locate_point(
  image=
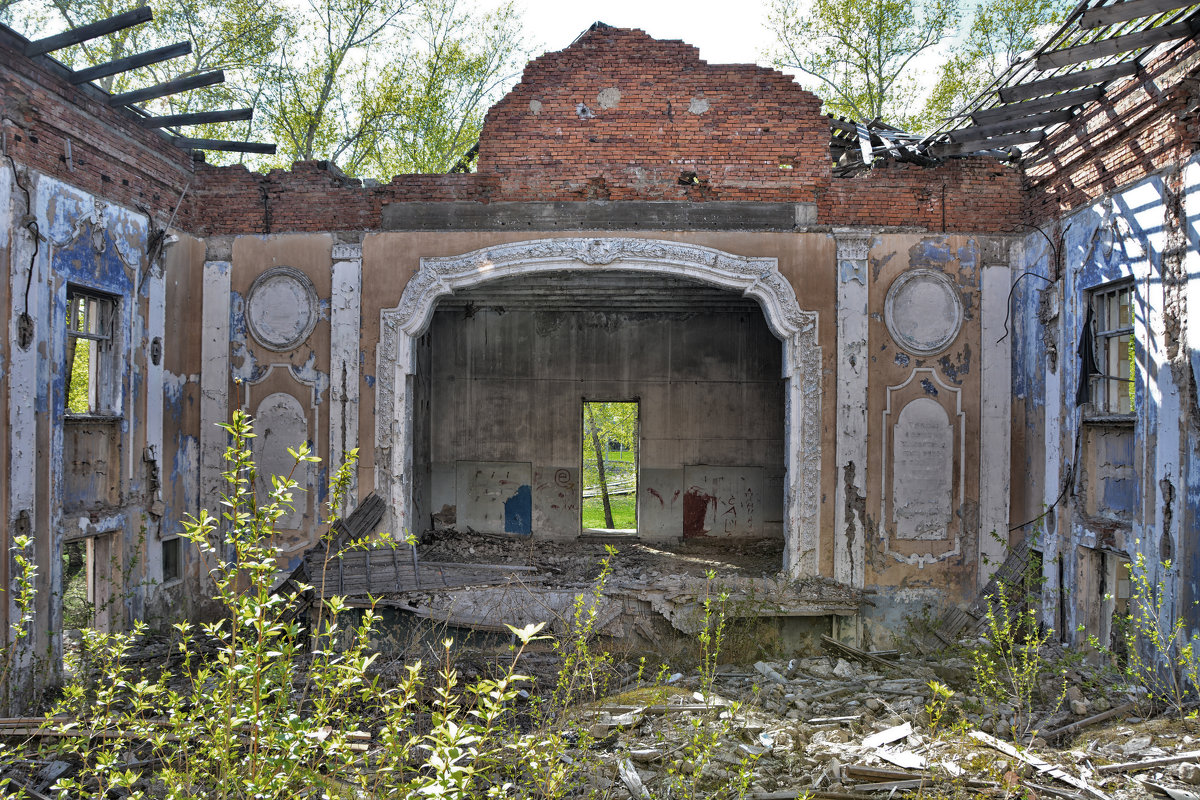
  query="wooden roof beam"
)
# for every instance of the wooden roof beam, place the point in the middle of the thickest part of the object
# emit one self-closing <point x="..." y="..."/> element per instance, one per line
<point x="1130" y="9"/>
<point x="87" y="32"/>
<point x="224" y="144"/>
<point x="967" y="147"/>
<point x="167" y="88"/>
<point x="1103" y="48"/>
<point x="197" y="118"/>
<point x="1062" y="83"/>
<point x="131" y="62"/>
<point x="1010" y="126"/>
<point x="1052" y="103"/>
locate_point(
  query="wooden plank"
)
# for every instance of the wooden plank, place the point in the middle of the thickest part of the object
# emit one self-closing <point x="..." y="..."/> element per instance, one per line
<point x="841" y="126"/>
<point x="1130" y="9"/>
<point x="167" y="88"/>
<point x="1041" y="765"/>
<point x="993" y="143"/>
<point x="1137" y="766"/>
<point x="131" y="62"/>
<point x="1117" y="44"/>
<point x="223" y="144"/>
<point x="981" y="132"/>
<point x="1092" y="720"/>
<point x="1052" y="103"/>
<point x="90" y="31"/>
<point x="197" y="118"/>
<point x="1062" y="83"/>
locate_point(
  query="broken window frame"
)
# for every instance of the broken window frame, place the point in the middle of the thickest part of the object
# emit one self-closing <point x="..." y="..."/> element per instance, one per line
<point x="91" y="319"/>
<point x="1112" y="394"/>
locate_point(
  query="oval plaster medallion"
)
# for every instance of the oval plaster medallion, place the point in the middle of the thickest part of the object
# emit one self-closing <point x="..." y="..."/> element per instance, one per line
<point x="923" y="311"/>
<point x="281" y="309"/>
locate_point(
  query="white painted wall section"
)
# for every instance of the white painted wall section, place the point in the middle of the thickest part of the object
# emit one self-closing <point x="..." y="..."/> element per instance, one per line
<point x="849" y="538"/>
<point x="214" y="378"/>
<point x="345" y="320"/>
<point x="995" y="424"/>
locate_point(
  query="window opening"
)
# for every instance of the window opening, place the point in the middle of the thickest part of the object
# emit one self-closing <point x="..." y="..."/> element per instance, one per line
<point x="610" y="467"/>
<point x="89" y="333"/>
<point x="172" y="559"/>
<point x="1113" y="386"/>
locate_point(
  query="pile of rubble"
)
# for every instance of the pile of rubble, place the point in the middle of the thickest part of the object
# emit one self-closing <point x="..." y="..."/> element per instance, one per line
<point x="828" y="727"/>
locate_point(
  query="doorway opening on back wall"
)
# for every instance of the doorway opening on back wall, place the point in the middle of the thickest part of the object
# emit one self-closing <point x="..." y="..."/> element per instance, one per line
<point x="609" y="461"/>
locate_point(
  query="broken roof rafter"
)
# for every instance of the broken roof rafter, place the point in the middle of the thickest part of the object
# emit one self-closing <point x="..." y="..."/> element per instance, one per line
<point x="1094" y="47"/>
<point x="128" y="19"/>
<point x="86" y="33"/>
<point x="120" y="65"/>
<point x="167" y="88"/>
<point x="224" y="145"/>
<point x="198" y="118"/>
<point x="1128" y="10"/>
<point x="1062" y="83"/>
<point x="1052" y="103"/>
<point x="1090" y="51"/>
<point x="1010" y="126"/>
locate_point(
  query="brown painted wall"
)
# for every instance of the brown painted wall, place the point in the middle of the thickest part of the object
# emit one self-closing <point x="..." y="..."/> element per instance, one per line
<point x="956" y="369"/>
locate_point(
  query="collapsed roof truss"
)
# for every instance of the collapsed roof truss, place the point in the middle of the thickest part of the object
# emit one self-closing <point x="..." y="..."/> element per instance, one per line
<point x="1098" y="44"/>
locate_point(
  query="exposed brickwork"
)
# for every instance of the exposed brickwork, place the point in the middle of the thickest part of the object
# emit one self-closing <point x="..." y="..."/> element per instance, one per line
<point x="652" y="111"/>
<point x="1139" y="127"/>
<point x="311" y="197"/>
<point x="732" y="127"/>
<point x="110" y="156"/>
<point x="962" y="195"/>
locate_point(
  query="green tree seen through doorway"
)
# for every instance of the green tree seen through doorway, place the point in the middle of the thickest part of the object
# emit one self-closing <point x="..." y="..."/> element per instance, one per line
<point x="610" y="466"/>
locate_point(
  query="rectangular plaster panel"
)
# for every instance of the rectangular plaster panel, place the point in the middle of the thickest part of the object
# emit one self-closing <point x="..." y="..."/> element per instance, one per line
<point x="494" y="496"/>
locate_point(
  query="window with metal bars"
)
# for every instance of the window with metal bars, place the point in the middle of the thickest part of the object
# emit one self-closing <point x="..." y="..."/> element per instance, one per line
<point x="1114" y="381"/>
<point x="89" y="335"/>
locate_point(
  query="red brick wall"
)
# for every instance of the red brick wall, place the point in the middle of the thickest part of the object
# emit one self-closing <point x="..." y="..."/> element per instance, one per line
<point x="110" y="155"/>
<point x="730" y="125"/>
<point x="536" y="146"/>
<point x="962" y="195"/>
<point x="310" y="197"/>
<point x="1141" y="125"/>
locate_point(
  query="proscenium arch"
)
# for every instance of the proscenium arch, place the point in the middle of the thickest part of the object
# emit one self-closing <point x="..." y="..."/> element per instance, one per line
<point x="756" y="278"/>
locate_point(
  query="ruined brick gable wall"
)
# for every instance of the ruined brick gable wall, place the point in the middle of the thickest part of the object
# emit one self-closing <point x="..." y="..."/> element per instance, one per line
<point x="619" y="115"/>
<point x="1142" y="125"/>
<point x="110" y="155"/>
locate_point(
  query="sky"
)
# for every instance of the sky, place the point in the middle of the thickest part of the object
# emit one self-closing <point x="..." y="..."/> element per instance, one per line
<point x="725" y="32"/>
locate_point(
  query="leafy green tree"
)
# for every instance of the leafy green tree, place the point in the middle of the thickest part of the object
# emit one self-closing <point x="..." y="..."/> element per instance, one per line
<point x="1001" y="32"/>
<point x="862" y="54"/>
<point x="605" y="425"/>
<point x="379" y="87"/>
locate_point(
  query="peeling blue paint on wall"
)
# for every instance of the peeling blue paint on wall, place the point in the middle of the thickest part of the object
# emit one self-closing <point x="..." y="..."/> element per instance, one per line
<point x="518" y="512"/>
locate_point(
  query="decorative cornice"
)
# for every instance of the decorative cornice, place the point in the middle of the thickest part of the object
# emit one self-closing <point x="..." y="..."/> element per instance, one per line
<point x="347" y="252"/>
<point x="853" y="246"/>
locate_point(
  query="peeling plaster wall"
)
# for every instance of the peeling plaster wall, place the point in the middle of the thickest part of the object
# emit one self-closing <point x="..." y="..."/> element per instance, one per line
<point x="921" y="504"/>
<point x="1109" y="487"/>
<point x="507" y="387"/>
<point x="70" y="477"/>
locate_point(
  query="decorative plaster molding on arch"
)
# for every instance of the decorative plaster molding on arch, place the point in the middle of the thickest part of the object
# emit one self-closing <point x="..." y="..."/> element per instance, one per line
<point x="757" y="278"/>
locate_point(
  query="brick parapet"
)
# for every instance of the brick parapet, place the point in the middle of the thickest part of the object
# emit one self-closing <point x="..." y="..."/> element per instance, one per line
<point x="962" y="195"/>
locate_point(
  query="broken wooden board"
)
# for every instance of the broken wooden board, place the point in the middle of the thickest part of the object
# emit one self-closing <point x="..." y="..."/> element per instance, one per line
<point x="1041" y="765"/>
